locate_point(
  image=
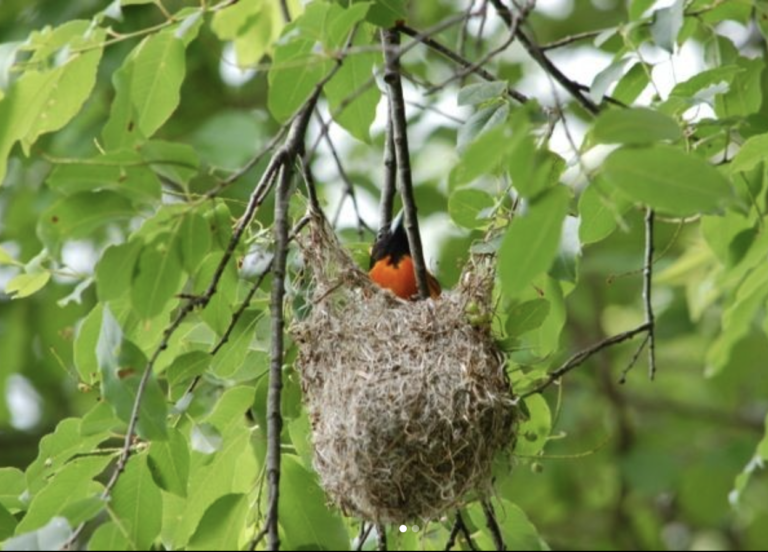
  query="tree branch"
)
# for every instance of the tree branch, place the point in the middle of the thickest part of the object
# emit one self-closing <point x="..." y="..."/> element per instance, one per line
<point x="445" y="51"/>
<point x="381" y="536"/>
<point x="650" y="319"/>
<point x="389" y="187"/>
<point x="568" y="40"/>
<point x="582" y="356"/>
<point x="493" y="525"/>
<point x="459" y="527"/>
<point x="274" y="417"/>
<point x="391" y="40"/>
<point x="541" y="58"/>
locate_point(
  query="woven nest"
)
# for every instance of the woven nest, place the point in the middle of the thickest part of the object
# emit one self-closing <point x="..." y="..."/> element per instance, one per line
<point x="409" y="403"/>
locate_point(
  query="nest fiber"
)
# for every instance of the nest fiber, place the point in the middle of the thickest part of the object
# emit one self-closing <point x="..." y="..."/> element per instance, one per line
<point x="409" y="402"/>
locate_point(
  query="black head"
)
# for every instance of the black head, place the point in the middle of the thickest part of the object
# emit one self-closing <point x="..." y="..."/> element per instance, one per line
<point x="391" y="242"/>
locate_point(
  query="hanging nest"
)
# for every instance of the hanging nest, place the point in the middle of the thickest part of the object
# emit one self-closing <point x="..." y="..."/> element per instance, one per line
<point x="409" y="402"/>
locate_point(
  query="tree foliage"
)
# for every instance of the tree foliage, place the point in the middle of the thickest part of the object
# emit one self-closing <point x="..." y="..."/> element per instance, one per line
<point x="612" y="156"/>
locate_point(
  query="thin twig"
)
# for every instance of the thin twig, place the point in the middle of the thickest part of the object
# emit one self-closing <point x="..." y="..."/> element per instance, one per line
<point x="365" y="530"/>
<point x="391" y="39"/>
<point x="257" y="539"/>
<point x="389" y="187"/>
<point x="493" y="525"/>
<point x="582" y="356"/>
<point x="633" y="361"/>
<point x="274" y="417"/>
<point x="541" y="58"/>
<point x="381" y="537"/>
<point x="650" y="319"/>
<point x="349" y="188"/>
<point x="568" y="40"/>
<point x="285" y="11"/>
<point x="459" y="527"/>
<point x="445" y="51"/>
<point x="517" y="20"/>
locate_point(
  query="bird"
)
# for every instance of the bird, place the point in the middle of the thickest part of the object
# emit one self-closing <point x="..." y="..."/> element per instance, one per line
<point x="392" y="266"/>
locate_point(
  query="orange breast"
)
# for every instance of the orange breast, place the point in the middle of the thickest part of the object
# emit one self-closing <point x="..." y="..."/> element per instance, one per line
<point x="400" y="279"/>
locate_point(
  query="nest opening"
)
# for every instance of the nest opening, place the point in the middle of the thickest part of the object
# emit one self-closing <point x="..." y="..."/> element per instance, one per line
<point x="409" y="402"/>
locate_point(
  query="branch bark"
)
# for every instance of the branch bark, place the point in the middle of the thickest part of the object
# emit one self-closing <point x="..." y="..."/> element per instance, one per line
<point x="391" y="41"/>
<point x="541" y="58"/>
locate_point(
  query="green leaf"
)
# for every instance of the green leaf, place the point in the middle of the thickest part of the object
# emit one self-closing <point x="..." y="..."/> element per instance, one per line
<point x="69" y="485"/>
<point x="123" y="172"/>
<point x="7" y="259"/>
<point x="52" y="536"/>
<point x="752" y="152"/>
<point x="7" y="523"/>
<point x="295" y="71"/>
<point x="24" y="285"/>
<point x="137" y="504"/>
<point x="667" y="24"/>
<point x="385" y="13"/>
<point x="84" y="510"/>
<point x="12" y="486"/>
<point x="745" y="95"/>
<point x="470" y="208"/>
<point x="605" y="78"/>
<point x="157" y="279"/>
<point x="44" y="101"/>
<point x="85" y="346"/>
<point x="121" y="364"/>
<point x="517" y="531"/>
<point x="635" y="126"/>
<point x="668" y="179"/>
<point x="633" y="83"/>
<point x="184" y="368"/>
<point x="531" y="242"/>
<point x="147" y="87"/>
<point x="159" y="68"/>
<point x="114" y="272"/>
<point x="231" y="356"/>
<point x="80" y="215"/>
<point x="483" y="156"/>
<point x="534" y="432"/>
<point x="600" y="212"/>
<point x="176" y="162"/>
<point x="100" y="419"/>
<point x="359" y="114"/>
<point x="231" y="470"/>
<point x="526" y="316"/>
<point x="306" y="521"/>
<point x="109" y="536"/>
<point x="252" y="25"/>
<point x="168" y="462"/>
<point x="478" y="93"/>
<point x="705" y="84"/>
<point x="56" y="449"/>
<point x="205" y="439"/>
<point x="193" y="240"/>
<point x="482" y="121"/>
<point x="222" y="524"/>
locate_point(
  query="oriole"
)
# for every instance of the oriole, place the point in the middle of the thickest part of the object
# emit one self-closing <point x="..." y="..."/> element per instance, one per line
<point x="392" y="266"/>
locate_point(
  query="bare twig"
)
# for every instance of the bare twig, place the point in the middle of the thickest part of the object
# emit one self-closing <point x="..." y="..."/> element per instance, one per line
<point x="257" y="539"/>
<point x="633" y="361"/>
<point x="349" y="187"/>
<point x="391" y="40"/>
<point x="381" y="536"/>
<point x="650" y="319"/>
<point x="274" y="417"/>
<point x="517" y="20"/>
<point x="582" y="356"/>
<point x="541" y="58"/>
<point x="365" y="530"/>
<point x="389" y="187"/>
<point x="445" y="51"/>
<point x="459" y="527"/>
<point x="568" y="40"/>
<point x="285" y="11"/>
<point x="493" y="525"/>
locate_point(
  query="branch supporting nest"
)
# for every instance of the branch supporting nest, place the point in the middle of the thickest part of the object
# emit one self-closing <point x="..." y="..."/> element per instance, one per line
<point x="391" y="41"/>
